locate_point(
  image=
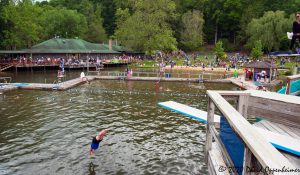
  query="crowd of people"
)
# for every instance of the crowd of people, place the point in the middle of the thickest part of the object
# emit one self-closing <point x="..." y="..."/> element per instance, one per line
<point x="73" y="60"/>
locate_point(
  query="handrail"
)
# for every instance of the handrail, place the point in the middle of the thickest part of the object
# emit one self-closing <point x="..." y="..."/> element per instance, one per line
<point x="6" y="66"/>
<point x="4" y="78"/>
<point x="264" y="152"/>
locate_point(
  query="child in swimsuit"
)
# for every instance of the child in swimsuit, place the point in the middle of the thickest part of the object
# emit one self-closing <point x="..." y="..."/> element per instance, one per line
<point x="96" y="140"/>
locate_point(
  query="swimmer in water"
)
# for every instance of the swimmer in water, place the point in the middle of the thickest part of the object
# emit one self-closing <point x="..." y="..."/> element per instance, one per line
<point x="96" y="140"/>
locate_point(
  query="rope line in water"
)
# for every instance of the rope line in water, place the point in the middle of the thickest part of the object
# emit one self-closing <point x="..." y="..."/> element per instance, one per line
<point x="111" y="92"/>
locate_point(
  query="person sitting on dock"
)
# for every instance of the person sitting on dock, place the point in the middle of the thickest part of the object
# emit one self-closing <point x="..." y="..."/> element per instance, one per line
<point x="83" y="77"/>
<point x="263" y="74"/>
<point x="96" y="140"/>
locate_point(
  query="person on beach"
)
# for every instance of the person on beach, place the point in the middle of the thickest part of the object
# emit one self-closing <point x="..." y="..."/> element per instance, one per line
<point x="96" y="140"/>
<point x="235" y="74"/>
<point x="296" y="31"/>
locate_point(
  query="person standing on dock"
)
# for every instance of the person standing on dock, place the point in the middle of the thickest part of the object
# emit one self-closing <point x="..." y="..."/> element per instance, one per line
<point x="161" y="69"/>
<point x="235" y="74"/>
<point x="296" y="31"/>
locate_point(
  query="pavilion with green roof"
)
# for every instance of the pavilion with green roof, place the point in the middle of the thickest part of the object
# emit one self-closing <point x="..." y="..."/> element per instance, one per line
<point x="62" y="47"/>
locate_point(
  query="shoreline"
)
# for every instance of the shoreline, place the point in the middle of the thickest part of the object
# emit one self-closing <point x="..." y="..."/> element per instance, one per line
<point x="206" y="69"/>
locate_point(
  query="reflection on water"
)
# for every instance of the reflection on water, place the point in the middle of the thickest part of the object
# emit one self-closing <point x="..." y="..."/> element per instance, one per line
<point x="49" y="132"/>
<point x="92" y="169"/>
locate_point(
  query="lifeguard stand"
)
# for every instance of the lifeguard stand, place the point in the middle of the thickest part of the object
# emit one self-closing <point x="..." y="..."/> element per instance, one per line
<point x="60" y="77"/>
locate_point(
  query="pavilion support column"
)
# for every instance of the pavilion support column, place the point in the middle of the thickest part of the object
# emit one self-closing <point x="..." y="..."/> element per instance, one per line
<point x="271" y="74"/>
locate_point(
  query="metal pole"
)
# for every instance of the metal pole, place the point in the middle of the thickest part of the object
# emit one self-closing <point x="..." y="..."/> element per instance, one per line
<point x="88" y="63"/>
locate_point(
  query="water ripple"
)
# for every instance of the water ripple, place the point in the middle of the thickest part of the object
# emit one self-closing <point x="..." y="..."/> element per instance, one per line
<point x="50" y="132"/>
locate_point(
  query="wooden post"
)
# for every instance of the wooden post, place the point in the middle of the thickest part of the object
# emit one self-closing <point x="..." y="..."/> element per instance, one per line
<point x="270" y="77"/>
<point x="210" y="123"/>
<point x="242" y="106"/>
<point x="288" y="87"/>
<point x="247" y="163"/>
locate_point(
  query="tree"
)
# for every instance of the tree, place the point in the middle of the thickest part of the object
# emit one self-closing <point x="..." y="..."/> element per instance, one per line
<point x="257" y="50"/>
<point x="219" y="50"/>
<point x="25" y="28"/>
<point x="148" y="28"/>
<point x="63" y="22"/>
<point x="192" y="30"/>
<point x="270" y="29"/>
<point x="222" y="18"/>
<point x="96" y="32"/>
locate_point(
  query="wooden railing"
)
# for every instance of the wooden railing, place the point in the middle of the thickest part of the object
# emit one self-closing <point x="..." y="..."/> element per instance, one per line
<point x="5" y="66"/>
<point x="5" y="79"/>
<point x="256" y="147"/>
<point x="290" y="79"/>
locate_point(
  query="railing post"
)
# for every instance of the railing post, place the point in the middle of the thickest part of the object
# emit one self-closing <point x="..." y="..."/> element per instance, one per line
<point x="247" y="162"/>
<point x="242" y="106"/>
<point x="210" y="123"/>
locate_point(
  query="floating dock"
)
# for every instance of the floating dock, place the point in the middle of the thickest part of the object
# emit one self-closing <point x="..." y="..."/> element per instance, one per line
<point x="43" y="86"/>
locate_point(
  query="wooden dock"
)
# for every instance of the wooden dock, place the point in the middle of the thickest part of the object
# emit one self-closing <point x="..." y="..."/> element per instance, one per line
<point x="273" y="107"/>
<point x="43" y="86"/>
<point x="279" y="128"/>
<point x="248" y="85"/>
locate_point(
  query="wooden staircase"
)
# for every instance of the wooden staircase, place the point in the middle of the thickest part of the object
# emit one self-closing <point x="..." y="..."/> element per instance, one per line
<point x="5" y="66"/>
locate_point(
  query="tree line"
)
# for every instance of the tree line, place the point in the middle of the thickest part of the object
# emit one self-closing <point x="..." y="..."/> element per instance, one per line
<point x="149" y="26"/>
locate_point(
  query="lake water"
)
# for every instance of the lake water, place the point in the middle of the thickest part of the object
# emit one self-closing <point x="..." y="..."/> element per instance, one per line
<point x="49" y="132"/>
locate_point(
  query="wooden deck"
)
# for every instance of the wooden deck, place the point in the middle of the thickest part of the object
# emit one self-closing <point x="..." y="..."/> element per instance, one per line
<point x="279" y="128"/>
<point x="283" y="130"/>
<point x="257" y="150"/>
<point x="248" y="85"/>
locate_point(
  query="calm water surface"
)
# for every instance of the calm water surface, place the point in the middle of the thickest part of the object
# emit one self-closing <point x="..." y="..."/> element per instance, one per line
<point x="49" y="132"/>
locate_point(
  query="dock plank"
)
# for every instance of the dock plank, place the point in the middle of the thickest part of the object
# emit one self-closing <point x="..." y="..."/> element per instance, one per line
<point x="216" y="161"/>
<point x="276" y="135"/>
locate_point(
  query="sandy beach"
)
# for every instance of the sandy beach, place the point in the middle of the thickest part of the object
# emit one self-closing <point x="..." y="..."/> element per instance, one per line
<point x="206" y="69"/>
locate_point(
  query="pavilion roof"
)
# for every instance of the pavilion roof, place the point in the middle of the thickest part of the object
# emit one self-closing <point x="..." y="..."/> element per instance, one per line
<point x="261" y="65"/>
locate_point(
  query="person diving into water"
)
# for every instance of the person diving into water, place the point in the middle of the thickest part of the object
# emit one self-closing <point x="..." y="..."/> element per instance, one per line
<point x="96" y="140"/>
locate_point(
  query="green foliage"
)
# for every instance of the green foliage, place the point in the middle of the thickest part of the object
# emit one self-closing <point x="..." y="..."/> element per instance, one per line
<point x="228" y="47"/>
<point x="192" y="30"/>
<point x="270" y="29"/>
<point x="219" y="50"/>
<point x="257" y="52"/>
<point x="148" y="28"/>
<point x="96" y="32"/>
<point x="150" y="25"/>
<point x="25" y="26"/>
<point x="63" y="23"/>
